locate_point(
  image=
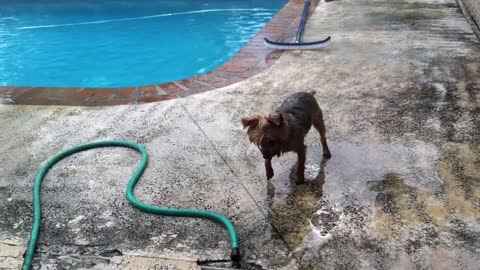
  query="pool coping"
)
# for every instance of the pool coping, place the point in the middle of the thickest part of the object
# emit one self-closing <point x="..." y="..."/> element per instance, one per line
<point x="252" y="59"/>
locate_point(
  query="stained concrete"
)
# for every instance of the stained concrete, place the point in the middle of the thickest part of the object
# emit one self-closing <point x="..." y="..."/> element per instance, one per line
<point x="400" y="92"/>
<point x="472" y="9"/>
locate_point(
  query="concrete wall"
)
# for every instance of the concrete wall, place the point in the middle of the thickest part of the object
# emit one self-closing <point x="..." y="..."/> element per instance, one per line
<point x="473" y="7"/>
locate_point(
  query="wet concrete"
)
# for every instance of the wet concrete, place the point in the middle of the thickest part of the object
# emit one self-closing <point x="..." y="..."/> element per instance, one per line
<point x="400" y="92"/>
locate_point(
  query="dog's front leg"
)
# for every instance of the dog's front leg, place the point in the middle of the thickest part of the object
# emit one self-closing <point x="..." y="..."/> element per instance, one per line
<point x="268" y="168"/>
<point x="301" y="152"/>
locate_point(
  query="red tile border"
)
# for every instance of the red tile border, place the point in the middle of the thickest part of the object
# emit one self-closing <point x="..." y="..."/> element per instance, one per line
<point x="249" y="61"/>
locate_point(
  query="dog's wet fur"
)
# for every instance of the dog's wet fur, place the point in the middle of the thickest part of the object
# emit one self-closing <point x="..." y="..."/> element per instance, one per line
<point x="285" y="129"/>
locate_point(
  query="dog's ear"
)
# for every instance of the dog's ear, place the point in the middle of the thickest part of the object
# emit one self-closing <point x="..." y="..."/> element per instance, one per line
<point x="275" y="119"/>
<point x="250" y="122"/>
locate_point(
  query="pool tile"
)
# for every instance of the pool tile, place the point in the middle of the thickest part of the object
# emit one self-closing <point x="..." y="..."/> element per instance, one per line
<point x="170" y="88"/>
<point x="245" y="62"/>
<point x="232" y="68"/>
<point x="224" y="74"/>
<point x="151" y="90"/>
<point x="193" y="84"/>
<point x="181" y="86"/>
<point x="94" y="94"/>
<point x="48" y="92"/>
<point x="5" y="89"/>
<point x="125" y="93"/>
<point x="44" y="95"/>
<point x="210" y="79"/>
<point x="250" y="72"/>
<point x="12" y="92"/>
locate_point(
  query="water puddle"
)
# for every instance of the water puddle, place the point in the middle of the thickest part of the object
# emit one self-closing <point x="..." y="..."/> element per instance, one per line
<point x="384" y="201"/>
<point x="345" y="178"/>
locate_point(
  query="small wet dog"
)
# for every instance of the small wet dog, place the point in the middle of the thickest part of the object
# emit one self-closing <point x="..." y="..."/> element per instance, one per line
<point x="285" y="129"/>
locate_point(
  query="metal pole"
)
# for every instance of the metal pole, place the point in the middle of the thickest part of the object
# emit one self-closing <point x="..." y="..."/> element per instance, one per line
<point x="302" y="21"/>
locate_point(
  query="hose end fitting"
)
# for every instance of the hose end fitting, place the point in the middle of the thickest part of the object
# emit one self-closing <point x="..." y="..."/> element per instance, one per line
<point x="235" y="256"/>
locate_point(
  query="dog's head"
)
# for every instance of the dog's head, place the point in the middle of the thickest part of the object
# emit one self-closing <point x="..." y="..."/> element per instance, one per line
<point x="269" y="133"/>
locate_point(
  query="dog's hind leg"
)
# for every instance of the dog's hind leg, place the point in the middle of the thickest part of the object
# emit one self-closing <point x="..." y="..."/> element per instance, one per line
<point x="301" y="152"/>
<point x="320" y="126"/>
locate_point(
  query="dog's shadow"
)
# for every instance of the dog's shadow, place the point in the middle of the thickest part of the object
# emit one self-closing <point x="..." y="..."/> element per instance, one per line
<point x="291" y="215"/>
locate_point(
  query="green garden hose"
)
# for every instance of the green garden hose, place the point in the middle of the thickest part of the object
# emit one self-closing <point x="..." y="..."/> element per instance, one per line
<point x="27" y="263"/>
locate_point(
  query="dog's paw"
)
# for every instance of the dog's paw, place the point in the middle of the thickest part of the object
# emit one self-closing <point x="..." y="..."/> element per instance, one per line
<point x="300" y="180"/>
<point x="269" y="174"/>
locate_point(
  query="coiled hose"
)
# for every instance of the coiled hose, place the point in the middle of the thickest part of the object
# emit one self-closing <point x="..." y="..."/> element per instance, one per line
<point x="37" y="214"/>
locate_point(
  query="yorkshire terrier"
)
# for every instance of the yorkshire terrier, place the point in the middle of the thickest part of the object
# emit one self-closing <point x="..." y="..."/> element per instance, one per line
<point x="285" y="129"/>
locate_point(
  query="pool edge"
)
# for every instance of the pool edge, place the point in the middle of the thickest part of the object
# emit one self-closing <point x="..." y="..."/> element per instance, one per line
<point x="252" y="59"/>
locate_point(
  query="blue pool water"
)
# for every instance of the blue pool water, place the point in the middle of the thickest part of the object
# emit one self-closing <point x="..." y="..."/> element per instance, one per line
<point x="118" y="43"/>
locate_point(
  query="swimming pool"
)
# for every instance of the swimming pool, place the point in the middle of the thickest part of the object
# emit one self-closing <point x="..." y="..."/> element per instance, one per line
<point x="119" y="43"/>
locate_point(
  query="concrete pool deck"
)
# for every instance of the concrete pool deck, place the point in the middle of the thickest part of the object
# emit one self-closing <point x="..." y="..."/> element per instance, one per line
<point x="400" y="90"/>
